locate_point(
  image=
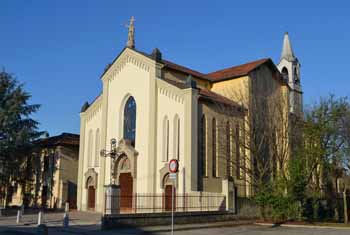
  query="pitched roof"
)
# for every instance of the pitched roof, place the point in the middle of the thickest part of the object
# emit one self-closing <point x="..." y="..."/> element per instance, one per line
<point x="63" y="139"/>
<point x="219" y="75"/>
<point x="216" y="98"/>
<point x="222" y="74"/>
<point x="183" y="69"/>
<point x="236" y="71"/>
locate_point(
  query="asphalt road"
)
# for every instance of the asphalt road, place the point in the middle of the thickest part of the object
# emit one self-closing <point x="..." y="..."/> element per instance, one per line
<point x="88" y="223"/>
<point x="262" y="230"/>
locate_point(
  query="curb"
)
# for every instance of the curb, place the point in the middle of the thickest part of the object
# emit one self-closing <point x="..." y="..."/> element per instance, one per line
<point x="194" y="227"/>
<point x="301" y="226"/>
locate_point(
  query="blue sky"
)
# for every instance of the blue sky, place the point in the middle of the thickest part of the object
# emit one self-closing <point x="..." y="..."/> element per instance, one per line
<point x="59" y="49"/>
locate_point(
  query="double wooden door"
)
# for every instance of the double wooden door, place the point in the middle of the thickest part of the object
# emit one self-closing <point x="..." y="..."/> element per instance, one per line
<point x="91" y="197"/>
<point x="126" y="195"/>
<point x="168" y="197"/>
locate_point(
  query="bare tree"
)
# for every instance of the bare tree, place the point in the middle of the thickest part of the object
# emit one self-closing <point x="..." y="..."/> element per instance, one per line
<point x="265" y="135"/>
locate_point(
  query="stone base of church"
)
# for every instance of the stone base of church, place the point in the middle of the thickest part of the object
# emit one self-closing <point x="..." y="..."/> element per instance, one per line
<point x="153" y="219"/>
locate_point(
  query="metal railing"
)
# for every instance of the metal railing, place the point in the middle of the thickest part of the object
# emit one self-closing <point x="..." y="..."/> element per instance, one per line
<point x="152" y="203"/>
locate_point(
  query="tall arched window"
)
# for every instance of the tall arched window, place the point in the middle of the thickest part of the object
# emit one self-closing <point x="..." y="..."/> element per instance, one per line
<point x="214" y="146"/>
<point x="203" y="146"/>
<point x="238" y="153"/>
<point x="90" y="145"/>
<point x="296" y="76"/>
<point x="97" y="148"/>
<point x="176" y="137"/>
<point x="228" y="149"/>
<point x="165" y="139"/>
<point x="130" y="120"/>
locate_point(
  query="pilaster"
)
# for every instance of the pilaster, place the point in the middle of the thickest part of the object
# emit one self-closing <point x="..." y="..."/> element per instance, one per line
<point x="102" y="177"/>
<point x="81" y="162"/>
<point x="191" y="130"/>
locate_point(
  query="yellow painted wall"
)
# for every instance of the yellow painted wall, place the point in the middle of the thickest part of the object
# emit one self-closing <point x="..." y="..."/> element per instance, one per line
<point x="236" y="89"/>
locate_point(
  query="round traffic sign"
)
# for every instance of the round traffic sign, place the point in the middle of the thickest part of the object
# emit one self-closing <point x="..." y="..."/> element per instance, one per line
<point x="173" y="165"/>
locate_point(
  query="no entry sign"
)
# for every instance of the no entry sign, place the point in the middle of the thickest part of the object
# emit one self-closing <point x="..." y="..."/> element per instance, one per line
<point x="173" y="166"/>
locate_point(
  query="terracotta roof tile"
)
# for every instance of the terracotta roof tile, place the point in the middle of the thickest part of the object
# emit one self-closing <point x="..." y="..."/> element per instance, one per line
<point x="222" y="74"/>
<point x="236" y="71"/>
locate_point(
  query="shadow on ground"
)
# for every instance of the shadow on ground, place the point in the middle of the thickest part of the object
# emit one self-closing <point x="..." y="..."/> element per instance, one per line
<point x="74" y="229"/>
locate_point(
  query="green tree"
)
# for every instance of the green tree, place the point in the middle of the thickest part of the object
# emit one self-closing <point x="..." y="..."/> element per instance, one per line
<point x="17" y="129"/>
<point x="323" y="151"/>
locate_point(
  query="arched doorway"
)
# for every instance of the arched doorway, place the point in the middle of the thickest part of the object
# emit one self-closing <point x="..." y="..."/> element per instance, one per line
<point x="126" y="195"/>
<point x="91" y="194"/>
<point x="124" y="174"/>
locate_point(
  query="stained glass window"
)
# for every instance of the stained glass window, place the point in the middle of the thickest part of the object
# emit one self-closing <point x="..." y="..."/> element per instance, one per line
<point x="130" y="120"/>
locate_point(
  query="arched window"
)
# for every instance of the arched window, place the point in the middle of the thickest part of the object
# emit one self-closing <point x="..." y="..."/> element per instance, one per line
<point x="228" y="149"/>
<point x="177" y="137"/>
<point x="214" y="148"/>
<point x="203" y="146"/>
<point x="130" y="120"/>
<point x="166" y="139"/>
<point x="296" y="76"/>
<point x="97" y="148"/>
<point x="238" y="153"/>
<point x="285" y="74"/>
<point x="90" y="145"/>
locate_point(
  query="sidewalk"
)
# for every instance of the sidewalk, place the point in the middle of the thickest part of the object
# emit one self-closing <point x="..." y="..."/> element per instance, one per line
<point x="95" y="228"/>
<point x="325" y="226"/>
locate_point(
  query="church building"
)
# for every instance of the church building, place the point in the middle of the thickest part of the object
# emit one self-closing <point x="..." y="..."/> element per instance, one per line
<point x="152" y="110"/>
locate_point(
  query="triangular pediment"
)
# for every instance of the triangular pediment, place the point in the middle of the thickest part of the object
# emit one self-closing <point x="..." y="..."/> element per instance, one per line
<point x="128" y="55"/>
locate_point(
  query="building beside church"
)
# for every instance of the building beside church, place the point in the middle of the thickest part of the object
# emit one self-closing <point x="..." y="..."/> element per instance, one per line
<point x="50" y="174"/>
<point x="158" y="110"/>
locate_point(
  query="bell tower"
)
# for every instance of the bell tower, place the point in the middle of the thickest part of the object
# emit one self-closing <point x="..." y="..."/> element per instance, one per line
<point x="289" y="67"/>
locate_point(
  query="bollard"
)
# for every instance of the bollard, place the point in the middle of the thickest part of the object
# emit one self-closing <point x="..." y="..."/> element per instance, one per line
<point x="22" y="209"/>
<point x="66" y="209"/>
<point x="18" y="220"/>
<point x="66" y="215"/>
<point x="65" y="220"/>
<point x="42" y="230"/>
<point x="40" y="218"/>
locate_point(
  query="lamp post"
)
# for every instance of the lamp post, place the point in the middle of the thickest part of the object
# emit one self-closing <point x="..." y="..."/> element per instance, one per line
<point x="112" y="190"/>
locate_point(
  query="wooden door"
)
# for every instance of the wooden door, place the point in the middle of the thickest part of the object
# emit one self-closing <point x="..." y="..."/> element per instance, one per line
<point x="167" y="198"/>
<point x="126" y="186"/>
<point x="72" y="195"/>
<point x="91" y="197"/>
<point x="44" y="197"/>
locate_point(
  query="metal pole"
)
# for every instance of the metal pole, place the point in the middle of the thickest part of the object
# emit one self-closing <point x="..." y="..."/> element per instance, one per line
<point x="172" y="208"/>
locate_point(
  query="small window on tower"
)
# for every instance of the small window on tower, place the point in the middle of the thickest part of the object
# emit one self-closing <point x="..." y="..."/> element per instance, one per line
<point x="296" y="77"/>
<point x="285" y="74"/>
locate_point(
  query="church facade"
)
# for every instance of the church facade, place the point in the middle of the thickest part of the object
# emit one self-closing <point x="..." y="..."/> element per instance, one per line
<point x="157" y="110"/>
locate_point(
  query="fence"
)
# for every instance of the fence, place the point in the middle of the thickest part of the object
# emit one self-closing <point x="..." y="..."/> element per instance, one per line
<point x="151" y="203"/>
